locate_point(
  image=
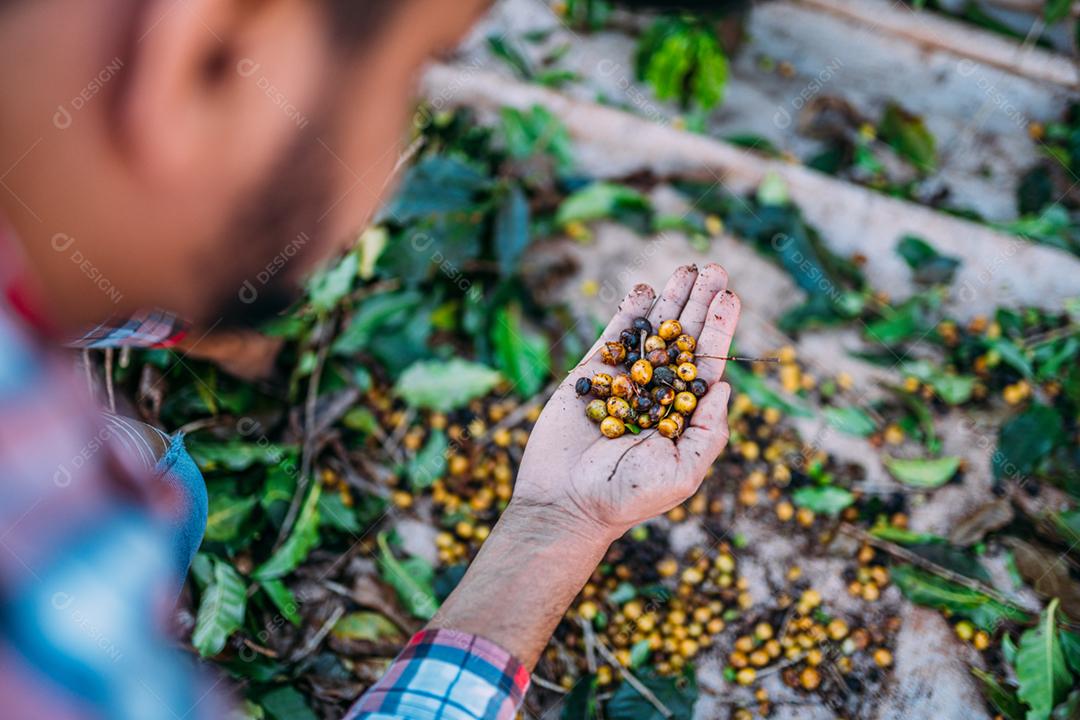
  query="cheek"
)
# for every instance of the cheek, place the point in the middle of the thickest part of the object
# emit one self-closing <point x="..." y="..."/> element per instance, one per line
<point x="365" y="179"/>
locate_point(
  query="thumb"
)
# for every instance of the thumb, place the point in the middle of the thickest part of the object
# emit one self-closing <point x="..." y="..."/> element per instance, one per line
<point x="706" y="436"/>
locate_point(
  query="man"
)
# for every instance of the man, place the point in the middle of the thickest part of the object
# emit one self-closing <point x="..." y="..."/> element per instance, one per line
<point x="158" y="154"/>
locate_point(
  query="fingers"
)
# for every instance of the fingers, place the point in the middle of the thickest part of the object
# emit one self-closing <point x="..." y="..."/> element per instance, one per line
<point x="674" y="295"/>
<point x="634" y="305"/>
<point x="711" y="280"/>
<point x="707" y="434"/>
<point x="715" y="339"/>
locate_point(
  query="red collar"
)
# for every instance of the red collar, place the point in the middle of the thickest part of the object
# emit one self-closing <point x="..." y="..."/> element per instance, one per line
<point x="20" y="293"/>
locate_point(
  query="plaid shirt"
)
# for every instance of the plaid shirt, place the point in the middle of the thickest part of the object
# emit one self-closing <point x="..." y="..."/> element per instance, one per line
<point x="89" y="536"/>
<point x="445" y="674"/>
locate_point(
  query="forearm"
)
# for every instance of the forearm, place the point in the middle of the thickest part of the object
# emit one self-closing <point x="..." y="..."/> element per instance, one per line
<point x="524" y="578"/>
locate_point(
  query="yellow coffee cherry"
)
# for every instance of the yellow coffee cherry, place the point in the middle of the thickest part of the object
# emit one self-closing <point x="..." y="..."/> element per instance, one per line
<point x="965" y="630"/>
<point x="746" y="676"/>
<point x="837" y="629"/>
<point x="810" y="678"/>
<point x="613" y="427"/>
<point x="883" y="658"/>
<point x="669" y="330"/>
<point x="667" y="567"/>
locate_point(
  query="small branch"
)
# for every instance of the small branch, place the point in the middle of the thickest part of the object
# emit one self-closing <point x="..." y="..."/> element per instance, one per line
<point x="311" y="645"/>
<point x="590" y="645"/>
<point x="304" y="479"/>
<point x="548" y="685"/>
<point x="109" y="352"/>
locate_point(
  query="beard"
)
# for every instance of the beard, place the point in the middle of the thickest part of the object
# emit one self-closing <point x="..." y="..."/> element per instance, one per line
<point x="269" y="242"/>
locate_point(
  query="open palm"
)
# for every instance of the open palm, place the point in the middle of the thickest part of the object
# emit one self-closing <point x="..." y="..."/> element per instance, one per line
<point x="618" y="483"/>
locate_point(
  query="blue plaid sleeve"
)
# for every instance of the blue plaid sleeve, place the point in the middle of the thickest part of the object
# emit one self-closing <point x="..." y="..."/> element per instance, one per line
<point x="448" y="675"/>
<point x="146" y="328"/>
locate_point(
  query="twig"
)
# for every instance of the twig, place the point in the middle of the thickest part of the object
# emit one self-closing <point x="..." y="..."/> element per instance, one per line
<point x="304" y="480"/>
<point x="260" y="649"/>
<point x="89" y="374"/>
<point x="590" y="645"/>
<point x="311" y="645"/>
<point x="908" y="556"/>
<point x="109" y="379"/>
<point x="630" y="678"/>
<point x="739" y="358"/>
<point x="393" y="443"/>
<point x="548" y="685"/>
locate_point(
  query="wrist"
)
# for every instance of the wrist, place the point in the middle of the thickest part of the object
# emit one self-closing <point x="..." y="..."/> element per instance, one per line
<point x="555" y="524"/>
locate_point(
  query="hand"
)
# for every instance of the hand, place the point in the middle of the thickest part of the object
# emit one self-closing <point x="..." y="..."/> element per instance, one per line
<point x="247" y="354"/>
<point x="599" y="485"/>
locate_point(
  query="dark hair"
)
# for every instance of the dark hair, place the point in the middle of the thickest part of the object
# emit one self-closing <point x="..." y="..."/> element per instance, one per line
<point x="702" y="6"/>
<point x="354" y="21"/>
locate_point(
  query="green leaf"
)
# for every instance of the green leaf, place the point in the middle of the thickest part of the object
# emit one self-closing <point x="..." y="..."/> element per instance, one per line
<point x="511" y="230"/>
<point x="283" y="600"/>
<point x="850" y="420"/>
<point x="236" y="455"/>
<point x="221" y="610"/>
<point x="930" y="266"/>
<point x="537" y="131"/>
<point x="511" y="55"/>
<point x="430" y="463"/>
<point x="520" y="353"/>
<point x="1041" y="673"/>
<point x="1070" y="708"/>
<point x="437" y="185"/>
<point x="908" y="135"/>
<point x="923" y="588"/>
<point x="333" y="512"/>
<point x="226" y="514"/>
<point x="413" y="580"/>
<point x="1026" y="439"/>
<point x="824" y="499"/>
<point x="902" y="536"/>
<point x="1056" y="10"/>
<point x="304" y="537"/>
<point x="1013" y="356"/>
<point x="279" y="487"/>
<point x="327" y="288"/>
<point x="1070" y="645"/>
<point x="923" y="473"/>
<point x="681" y="59"/>
<point x="678" y="694"/>
<point x="444" y="386"/>
<point x="763" y="396"/>
<point x="639" y="653"/>
<point x="581" y="703"/>
<point x="364" y="625"/>
<point x="1001" y="698"/>
<point x="602" y="200"/>
<point x="953" y="389"/>
<point x="286" y="703"/>
<point x="373" y="314"/>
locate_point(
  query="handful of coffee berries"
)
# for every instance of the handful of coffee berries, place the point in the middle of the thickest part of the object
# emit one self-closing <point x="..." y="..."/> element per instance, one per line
<point x="659" y="388"/>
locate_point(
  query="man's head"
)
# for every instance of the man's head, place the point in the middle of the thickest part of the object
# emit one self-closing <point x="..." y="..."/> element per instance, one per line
<point x="201" y="155"/>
